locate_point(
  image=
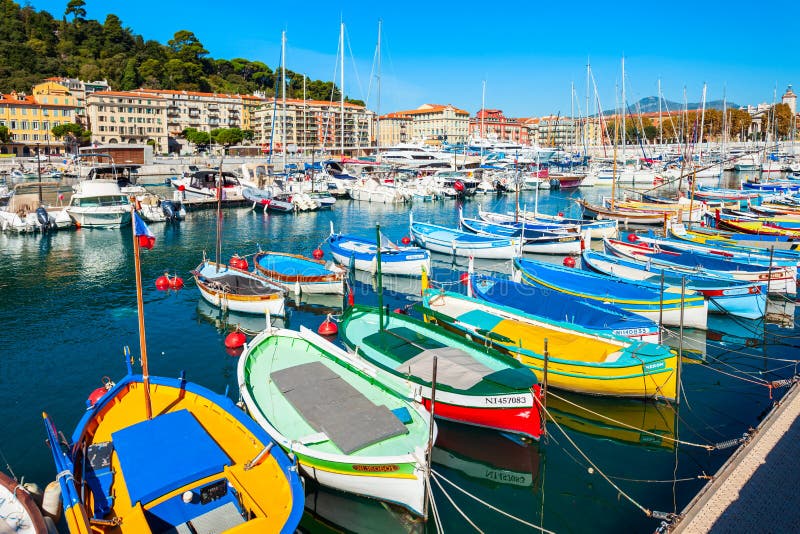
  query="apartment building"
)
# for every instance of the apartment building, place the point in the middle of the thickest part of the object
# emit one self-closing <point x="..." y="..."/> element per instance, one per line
<point x="201" y="111"/>
<point x="395" y="128"/>
<point x="313" y="125"/>
<point x="438" y="122"/>
<point x="30" y="119"/>
<point x="492" y="124"/>
<point x="79" y="89"/>
<point x="133" y="117"/>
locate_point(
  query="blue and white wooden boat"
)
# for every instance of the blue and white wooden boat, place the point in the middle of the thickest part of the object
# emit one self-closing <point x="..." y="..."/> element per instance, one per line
<point x="301" y="274"/>
<point x="782" y="276"/>
<point x="634" y="298"/>
<point x="400" y="260"/>
<point x="534" y="241"/>
<point x="459" y="243"/>
<point x="723" y="293"/>
<point x="565" y="308"/>
<point x="589" y="228"/>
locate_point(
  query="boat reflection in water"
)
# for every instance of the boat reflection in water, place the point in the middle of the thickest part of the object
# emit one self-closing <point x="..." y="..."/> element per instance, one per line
<point x="329" y="510"/>
<point x="628" y="421"/>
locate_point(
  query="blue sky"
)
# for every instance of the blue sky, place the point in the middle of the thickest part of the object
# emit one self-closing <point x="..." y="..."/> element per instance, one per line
<point x="528" y="54"/>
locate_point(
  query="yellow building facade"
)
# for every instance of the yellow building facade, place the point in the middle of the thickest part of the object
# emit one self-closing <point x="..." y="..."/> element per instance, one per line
<point x="31" y="118"/>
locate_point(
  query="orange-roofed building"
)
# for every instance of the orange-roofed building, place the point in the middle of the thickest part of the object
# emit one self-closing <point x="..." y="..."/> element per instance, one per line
<point x="394" y="128"/>
<point x="31" y="118"/>
<point x="492" y="124"/>
<point x="438" y="122"/>
<point x="128" y="117"/>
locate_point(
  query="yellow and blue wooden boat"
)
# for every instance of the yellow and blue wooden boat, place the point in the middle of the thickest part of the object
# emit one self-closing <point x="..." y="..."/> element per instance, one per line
<point x="579" y="360"/>
<point x="199" y="464"/>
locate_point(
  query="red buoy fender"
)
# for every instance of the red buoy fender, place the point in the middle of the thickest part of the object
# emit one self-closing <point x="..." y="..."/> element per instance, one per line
<point x="96" y="395"/>
<point x="317" y="254"/>
<point x="569" y="261"/>
<point x="235" y="339"/>
<point x="162" y="283"/>
<point x="176" y="282"/>
<point x="328" y="328"/>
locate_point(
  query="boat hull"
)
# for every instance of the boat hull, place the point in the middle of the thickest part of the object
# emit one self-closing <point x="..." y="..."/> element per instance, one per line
<point x="404" y="261"/>
<point x="100" y="217"/>
<point x="274" y="304"/>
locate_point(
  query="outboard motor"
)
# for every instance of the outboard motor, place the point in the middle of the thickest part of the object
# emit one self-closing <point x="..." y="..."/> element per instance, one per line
<point x="168" y="207"/>
<point x="44" y="219"/>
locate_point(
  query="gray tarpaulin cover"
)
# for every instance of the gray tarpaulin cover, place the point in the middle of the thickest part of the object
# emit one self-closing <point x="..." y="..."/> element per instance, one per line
<point x="331" y="405"/>
<point x="454" y="367"/>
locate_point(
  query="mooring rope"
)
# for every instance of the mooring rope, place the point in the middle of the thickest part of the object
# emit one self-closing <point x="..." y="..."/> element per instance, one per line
<point x="493" y="508"/>
<point x="459" y="510"/>
<point x="648" y="432"/>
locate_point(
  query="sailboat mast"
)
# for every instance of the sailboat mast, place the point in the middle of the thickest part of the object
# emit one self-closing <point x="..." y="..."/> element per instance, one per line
<point x="341" y="81"/>
<point x="624" y="105"/>
<point x="283" y="93"/>
<point x="305" y="118"/>
<point x="702" y="124"/>
<point x="218" y="251"/>
<point x="483" y="113"/>
<point x="140" y="311"/>
<point x="378" y="121"/>
<point x="660" y="126"/>
<point x="586" y="120"/>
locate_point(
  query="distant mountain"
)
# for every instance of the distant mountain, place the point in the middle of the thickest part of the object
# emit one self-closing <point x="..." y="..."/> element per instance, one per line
<point x="649" y="104"/>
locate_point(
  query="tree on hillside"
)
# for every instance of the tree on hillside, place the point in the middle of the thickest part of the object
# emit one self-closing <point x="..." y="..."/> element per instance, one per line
<point x="5" y="135"/>
<point x="76" y="9"/>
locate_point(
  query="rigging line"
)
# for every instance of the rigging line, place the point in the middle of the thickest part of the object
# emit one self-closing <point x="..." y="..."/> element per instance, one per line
<point x="702" y="446"/>
<point x="646" y="511"/>
<point x="461" y="512"/>
<point x="434" y="509"/>
<point x="486" y="504"/>
<point x="353" y="59"/>
<point x="8" y="464"/>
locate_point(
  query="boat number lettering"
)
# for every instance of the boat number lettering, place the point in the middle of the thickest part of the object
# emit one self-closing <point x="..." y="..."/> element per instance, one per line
<point x="415" y="256"/>
<point x="631" y="332"/>
<point x="653" y="366"/>
<point x="386" y="468"/>
<point x="214" y="491"/>
<point x="519" y="399"/>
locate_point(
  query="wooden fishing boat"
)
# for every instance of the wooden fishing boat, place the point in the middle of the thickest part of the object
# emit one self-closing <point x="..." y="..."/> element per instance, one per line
<point x="533" y="241"/>
<point x="781" y="277"/>
<point x="642" y="300"/>
<point x="305" y="275"/>
<point x="724" y="294"/>
<point x="238" y="290"/>
<point x="580" y="360"/>
<point x="154" y="454"/>
<point x="474" y="385"/>
<point x="564" y="308"/>
<point x="756" y="226"/>
<point x="723" y="238"/>
<point x="459" y="243"/>
<point x="198" y="460"/>
<point x="18" y="511"/>
<point x="348" y="430"/>
<point x="398" y="260"/>
<point x="516" y="219"/>
<point x="641" y="216"/>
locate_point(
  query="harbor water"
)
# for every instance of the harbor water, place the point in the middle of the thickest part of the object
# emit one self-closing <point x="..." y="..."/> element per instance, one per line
<point x="68" y="308"/>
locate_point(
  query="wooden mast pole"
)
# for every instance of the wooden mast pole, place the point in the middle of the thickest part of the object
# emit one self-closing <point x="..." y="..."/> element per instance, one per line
<point x="220" y="183"/>
<point x="140" y="311"/>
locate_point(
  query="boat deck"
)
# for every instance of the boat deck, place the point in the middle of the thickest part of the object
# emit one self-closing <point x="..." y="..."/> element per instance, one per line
<point x="755" y="491"/>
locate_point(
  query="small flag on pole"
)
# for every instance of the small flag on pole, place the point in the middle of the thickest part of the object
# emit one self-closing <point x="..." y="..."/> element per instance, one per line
<point x="143" y="233"/>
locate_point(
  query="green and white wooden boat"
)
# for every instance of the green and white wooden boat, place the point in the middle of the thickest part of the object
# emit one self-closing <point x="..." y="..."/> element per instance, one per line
<point x="350" y="427"/>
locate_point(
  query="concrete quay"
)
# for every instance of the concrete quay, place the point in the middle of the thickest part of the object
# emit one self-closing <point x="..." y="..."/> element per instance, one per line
<point x="756" y="489"/>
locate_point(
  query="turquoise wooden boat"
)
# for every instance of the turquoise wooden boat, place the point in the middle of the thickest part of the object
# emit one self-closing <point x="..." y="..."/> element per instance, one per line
<point x="347" y="428"/>
<point x="475" y="385"/>
<point x="642" y="300"/>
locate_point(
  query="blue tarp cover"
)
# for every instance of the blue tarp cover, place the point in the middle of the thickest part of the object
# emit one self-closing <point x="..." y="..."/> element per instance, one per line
<point x="165" y="453"/>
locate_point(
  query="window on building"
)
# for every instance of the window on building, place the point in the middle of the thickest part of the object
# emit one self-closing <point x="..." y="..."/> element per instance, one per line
<point x="24" y="137"/>
<point x="24" y="111"/>
<point x="35" y="125"/>
<point x="23" y="125"/>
